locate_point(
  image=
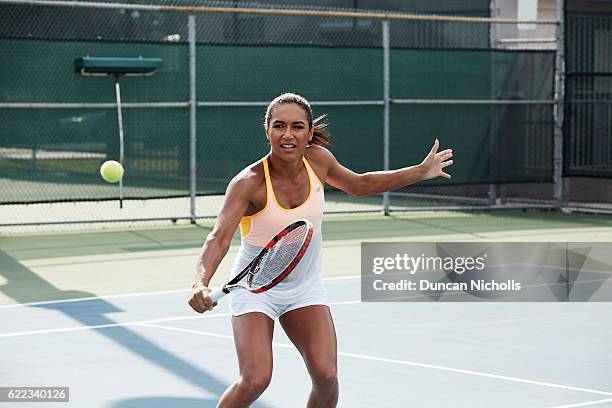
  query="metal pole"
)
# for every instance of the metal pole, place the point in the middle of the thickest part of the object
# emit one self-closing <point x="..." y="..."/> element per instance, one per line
<point x="559" y="101"/>
<point x="192" y="116"/>
<point x="386" y="109"/>
<point x="492" y="159"/>
<point x="493" y="39"/>
<point x="121" y="144"/>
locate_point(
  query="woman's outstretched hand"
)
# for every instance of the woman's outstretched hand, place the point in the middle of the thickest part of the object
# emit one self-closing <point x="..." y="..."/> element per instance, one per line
<point x="433" y="165"/>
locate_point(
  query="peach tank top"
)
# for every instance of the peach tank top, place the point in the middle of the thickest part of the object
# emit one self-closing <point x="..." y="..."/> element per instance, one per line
<point x="257" y="229"/>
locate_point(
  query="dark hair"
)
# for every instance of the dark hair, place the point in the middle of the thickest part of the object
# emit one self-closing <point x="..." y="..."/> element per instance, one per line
<point x="321" y="133"/>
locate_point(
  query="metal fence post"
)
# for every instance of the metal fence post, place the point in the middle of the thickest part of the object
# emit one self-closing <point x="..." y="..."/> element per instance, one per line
<point x="386" y="111"/>
<point x="559" y="101"/>
<point x="192" y="116"/>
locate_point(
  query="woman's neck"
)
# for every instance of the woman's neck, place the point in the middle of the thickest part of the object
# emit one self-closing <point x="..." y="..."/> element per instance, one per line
<point x="289" y="169"/>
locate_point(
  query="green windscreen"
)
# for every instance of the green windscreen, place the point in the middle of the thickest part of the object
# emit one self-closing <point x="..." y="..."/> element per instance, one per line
<point x="52" y="153"/>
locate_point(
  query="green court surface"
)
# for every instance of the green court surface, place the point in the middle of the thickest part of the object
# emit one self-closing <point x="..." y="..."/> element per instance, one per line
<point x="73" y="265"/>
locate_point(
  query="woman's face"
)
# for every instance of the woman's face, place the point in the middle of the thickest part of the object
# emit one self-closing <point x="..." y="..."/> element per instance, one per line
<point x="288" y="131"/>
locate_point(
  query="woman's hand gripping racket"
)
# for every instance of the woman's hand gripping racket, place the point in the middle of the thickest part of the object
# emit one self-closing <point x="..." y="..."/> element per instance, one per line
<point x="275" y="261"/>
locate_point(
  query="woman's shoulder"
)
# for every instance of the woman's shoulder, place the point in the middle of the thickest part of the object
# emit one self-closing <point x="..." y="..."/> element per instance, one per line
<point x="250" y="178"/>
<point x="319" y="157"/>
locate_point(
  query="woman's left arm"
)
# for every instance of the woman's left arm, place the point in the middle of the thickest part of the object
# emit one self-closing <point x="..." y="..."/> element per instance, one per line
<point x="380" y="181"/>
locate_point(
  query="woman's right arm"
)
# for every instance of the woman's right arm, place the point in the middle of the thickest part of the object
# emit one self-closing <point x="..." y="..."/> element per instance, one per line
<point x="217" y="243"/>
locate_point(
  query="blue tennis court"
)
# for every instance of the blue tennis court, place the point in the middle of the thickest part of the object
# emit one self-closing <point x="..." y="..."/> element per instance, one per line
<point x="150" y="350"/>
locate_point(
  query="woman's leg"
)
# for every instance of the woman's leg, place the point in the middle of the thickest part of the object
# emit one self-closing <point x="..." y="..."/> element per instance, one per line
<point x="253" y="338"/>
<point x="311" y="329"/>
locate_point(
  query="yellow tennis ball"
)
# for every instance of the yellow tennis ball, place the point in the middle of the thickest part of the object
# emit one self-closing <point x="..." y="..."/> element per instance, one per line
<point x="111" y="171"/>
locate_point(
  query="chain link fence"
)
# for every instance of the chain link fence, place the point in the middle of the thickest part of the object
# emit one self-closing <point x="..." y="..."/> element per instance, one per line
<point x="434" y="77"/>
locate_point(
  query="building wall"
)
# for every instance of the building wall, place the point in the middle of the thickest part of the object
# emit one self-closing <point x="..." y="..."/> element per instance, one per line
<point x="502" y="33"/>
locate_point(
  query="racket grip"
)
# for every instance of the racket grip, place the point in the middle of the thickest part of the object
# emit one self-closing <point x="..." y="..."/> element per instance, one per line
<point x="217" y="294"/>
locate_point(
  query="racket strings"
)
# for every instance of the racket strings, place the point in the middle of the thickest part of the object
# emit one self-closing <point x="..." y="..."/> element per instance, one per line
<point x="278" y="258"/>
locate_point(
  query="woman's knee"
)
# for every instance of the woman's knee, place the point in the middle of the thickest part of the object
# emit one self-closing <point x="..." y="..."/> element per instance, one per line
<point x="254" y="383"/>
<point x="325" y="375"/>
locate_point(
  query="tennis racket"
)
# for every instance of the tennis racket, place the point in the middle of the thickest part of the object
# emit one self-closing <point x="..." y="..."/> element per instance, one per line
<point x="276" y="260"/>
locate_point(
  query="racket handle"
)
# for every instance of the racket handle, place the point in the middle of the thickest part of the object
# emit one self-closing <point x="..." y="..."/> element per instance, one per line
<point x="217" y="294"/>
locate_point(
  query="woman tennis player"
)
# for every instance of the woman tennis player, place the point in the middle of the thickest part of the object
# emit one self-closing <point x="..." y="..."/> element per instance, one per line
<point x="283" y="187"/>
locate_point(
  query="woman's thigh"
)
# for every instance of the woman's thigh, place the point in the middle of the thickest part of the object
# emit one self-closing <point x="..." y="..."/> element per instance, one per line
<point x="312" y="331"/>
<point x="253" y="339"/>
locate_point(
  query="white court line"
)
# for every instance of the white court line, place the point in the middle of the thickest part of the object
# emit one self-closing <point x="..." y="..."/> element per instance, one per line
<point x="85" y="299"/>
<point x="221" y="336"/>
<point x="104" y="326"/>
<point x="408" y="363"/>
<point x="337" y="278"/>
<point x="584" y="404"/>
<point x="167" y="319"/>
<point x="477" y="373"/>
<point x="165" y="292"/>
